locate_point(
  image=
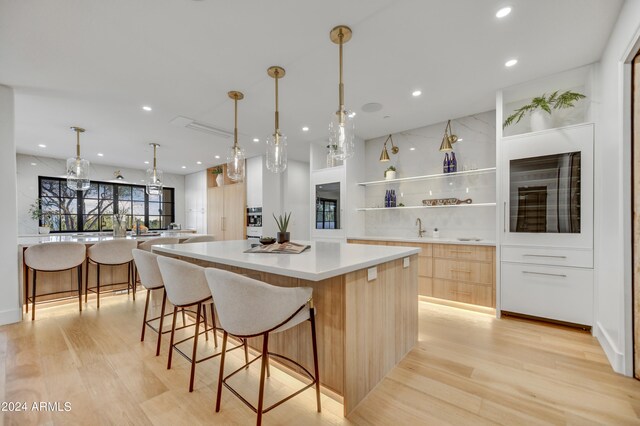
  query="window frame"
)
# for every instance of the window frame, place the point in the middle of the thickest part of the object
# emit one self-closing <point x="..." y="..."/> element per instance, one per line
<point x="80" y="215"/>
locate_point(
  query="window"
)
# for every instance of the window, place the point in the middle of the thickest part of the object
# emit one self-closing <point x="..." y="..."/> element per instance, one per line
<point x="93" y="209"/>
<point x="326" y="214"/>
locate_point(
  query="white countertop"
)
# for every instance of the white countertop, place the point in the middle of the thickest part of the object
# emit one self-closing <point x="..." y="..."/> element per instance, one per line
<point x="427" y="240"/>
<point x="88" y="238"/>
<point x="323" y="260"/>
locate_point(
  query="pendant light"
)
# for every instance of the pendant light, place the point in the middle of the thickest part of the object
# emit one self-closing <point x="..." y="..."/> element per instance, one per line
<point x="236" y="156"/>
<point x="448" y="139"/>
<point x="384" y="156"/>
<point x="276" y="143"/>
<point x="341" y="127"/>
<point x="77" y="168"/>
<point x="154" y="176"/>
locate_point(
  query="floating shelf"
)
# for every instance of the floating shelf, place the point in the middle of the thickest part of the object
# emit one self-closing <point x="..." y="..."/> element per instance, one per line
<point x="427" y="177"/>
<point x="367" y="209"/>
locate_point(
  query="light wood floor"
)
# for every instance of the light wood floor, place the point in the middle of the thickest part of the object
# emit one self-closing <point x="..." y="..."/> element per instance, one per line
<point x="468" y="368"/>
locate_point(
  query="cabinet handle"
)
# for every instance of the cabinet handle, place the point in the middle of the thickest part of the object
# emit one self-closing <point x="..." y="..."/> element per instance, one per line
<point x="544" y="255"/>
<point x="504" y="217"/>
<point x="545" y="273"/>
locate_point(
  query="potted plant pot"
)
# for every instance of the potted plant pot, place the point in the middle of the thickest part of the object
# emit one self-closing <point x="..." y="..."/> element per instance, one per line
<point x="283" y="237"/>
<point x="43" y="229"/>
<point x="540" y="120"/>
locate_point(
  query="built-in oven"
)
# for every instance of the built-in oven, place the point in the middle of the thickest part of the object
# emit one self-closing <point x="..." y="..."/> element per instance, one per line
<point x="254" y="223"/>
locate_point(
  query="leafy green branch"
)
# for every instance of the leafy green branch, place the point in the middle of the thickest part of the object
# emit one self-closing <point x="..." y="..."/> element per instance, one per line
<point x="546" y="103"/>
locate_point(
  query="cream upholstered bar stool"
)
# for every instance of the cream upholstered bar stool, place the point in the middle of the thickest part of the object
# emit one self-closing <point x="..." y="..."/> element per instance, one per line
<point x="186" y="286"/>
<point x="53" y="257"/>
<point x="147" y="245"/>
<point x="151" y="279"/>
<point x="251" y="308"/>
<point x="111" y="253"/>
<point x="200" y="239"/>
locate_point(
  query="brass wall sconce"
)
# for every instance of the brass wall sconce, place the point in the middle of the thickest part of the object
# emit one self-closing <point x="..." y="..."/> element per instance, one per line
<point x="384" y="156"/>
<point x="448" y="139"/>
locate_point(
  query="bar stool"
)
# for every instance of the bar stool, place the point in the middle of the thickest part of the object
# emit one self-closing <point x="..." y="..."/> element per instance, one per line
<point x="146" y="245"/>
<point x="111" y="253"/>
<point x="200" y="239"/>
<point x="186" y="286"/>
<point x="151" y="279"/>
<point x="250" y="308"/>
<point x="53" y="257"/>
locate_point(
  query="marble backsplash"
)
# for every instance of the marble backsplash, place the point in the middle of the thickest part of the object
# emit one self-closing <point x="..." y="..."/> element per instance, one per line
<point x="418" y="156"/>
<point x="29" y="167"/>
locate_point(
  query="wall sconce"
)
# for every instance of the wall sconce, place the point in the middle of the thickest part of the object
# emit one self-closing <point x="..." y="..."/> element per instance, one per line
<point x="448" y="139"/>
<point x="384" y="156"/>
<point x="118" y="175"/>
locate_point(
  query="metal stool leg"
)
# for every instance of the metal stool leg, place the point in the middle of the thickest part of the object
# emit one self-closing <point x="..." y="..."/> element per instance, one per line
<point x="221" y="374"/>
<point x="98" y="284"/>
<point x="164" y="302"/>
<point x="26" y="289"/>
<point x="33" y="299"/>
<point x="86" y="286"/>
<point x="195" y="348"/>
<point x="213" y="321"/>
<point x="263" y="370"/>
<point x="144" y="319"/>
<point x="315" y="356"/>
<point x="204" y="320"/>
<point x="80" y="286"/>
<point x="173" y="331"/>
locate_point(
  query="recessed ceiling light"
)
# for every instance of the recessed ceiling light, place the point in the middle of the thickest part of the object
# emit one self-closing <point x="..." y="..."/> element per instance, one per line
<point x="387" y="116"/>
<point x="371" y="107"/>
<point x="305" y="129"/>
<point x="217" y="156"/>
<point x="198" y="162"/>
<point x="184" y="167"/>
<point x="147" y="108"/>
<point x="34" y="164"/>
<point x="412" y="149"/>
<point x="41" y="145"/>
<point x="503" y="12"/>
<point x="146" y="162"/>
<point x="510" y="62"/>
<point x="100" y="154"/>
<point x="416" y="93"/>
<point x="256" y="140"/>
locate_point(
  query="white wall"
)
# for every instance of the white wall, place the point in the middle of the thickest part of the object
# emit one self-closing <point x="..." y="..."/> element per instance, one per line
<point x="612" y="240"/>
<point x="45" y="166"/>
<point x="476" y="150"/>
<point x="195" y="201"/>
<point x="10" y="310"/>
<point x="296" y="199"/>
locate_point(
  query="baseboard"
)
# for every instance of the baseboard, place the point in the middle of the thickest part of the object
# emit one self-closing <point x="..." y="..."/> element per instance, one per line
<point x="10" y="316"/>
<point x="615" y="357"/>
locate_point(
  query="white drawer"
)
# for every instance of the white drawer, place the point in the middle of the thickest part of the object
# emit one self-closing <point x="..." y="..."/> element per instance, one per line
<point x="580" y="258"/>
<point x="563" y="294"/>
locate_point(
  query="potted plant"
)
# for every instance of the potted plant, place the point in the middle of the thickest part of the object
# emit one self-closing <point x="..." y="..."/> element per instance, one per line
<point x="218" y="172"/>
<point x="43" y="217"/>
<point x="282" y="236"/>
<point x="390" y="173"/>
<point x="541" y="104"/>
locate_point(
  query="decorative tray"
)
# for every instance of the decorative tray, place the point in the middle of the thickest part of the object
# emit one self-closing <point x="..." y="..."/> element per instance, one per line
<point x="445" y="201"/>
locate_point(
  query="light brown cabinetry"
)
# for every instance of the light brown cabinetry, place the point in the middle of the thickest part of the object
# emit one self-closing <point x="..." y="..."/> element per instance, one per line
<point x="461" y="273"/>
<point x="226" y="211"/>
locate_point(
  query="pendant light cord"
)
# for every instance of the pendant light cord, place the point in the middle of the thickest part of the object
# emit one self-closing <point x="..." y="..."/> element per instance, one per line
<point x="277" y="114"/>
<point x="235" y="125"/>
<point x="78" y="144"/>
<point x="341" y="85"/>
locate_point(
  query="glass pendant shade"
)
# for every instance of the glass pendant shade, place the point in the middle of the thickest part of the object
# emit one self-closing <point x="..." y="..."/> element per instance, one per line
<point x="78" y="174"/>
<point x="77" y="167"/>
<point x="277" y="154"/>
<point x="154" y="176"/>
<point x="341" y="134"/>
<point x="235" y="163"/>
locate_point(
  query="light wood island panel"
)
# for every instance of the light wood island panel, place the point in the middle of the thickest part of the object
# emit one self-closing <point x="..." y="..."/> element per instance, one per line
<point x="364" y="328"/>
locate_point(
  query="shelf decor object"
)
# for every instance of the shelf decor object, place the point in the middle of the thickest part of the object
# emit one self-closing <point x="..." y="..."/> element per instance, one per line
<point x="276" y="143"/>
<point x="77" y="167"/>
<point x="283" y="236"/>
<point x="448" y="139"/>
<point x="445" y="202"/>
<point x="543" y="103"/>
<point x="236" y="155"/>
<point x="384" y="156"/>
<point x="154" y="176"/>
<point x="390" y="173"/>
<point x="341" y="127"/>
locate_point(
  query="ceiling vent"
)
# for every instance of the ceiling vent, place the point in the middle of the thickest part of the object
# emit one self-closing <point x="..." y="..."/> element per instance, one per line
<point x="190" y="123"/>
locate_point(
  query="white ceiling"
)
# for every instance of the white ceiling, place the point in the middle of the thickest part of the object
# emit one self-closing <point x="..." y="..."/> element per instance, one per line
<point x="95" y="63"/>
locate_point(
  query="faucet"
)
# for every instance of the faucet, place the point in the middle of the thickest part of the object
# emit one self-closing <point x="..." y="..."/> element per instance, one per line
<point x="420" y="230"/>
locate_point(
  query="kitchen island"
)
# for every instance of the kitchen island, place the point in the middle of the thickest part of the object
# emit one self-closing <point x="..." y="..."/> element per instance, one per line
<point x="366" y="299"/>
